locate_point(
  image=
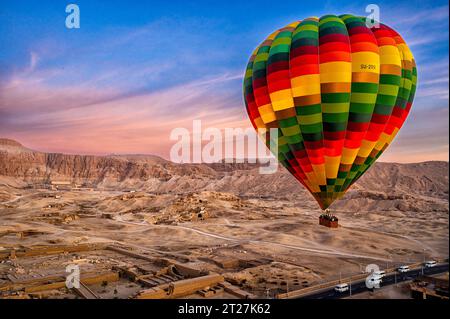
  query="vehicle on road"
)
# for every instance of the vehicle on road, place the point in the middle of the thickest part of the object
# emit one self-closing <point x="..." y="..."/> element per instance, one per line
<point x="379" y="274"/>
<point x="430" y="263"/>
<point x="341" y="288"/>
<point x="374" y="282"/>
<point x="403" y="269"/>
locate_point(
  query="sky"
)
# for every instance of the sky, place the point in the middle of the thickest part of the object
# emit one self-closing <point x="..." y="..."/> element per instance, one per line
<point x="135" y="70"/>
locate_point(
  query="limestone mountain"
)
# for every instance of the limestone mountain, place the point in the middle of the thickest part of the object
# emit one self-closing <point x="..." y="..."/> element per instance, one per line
<point x="416" y="186"/>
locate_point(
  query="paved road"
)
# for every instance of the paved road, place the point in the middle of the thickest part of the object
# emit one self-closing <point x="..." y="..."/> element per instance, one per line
<point x="390" y="279"/>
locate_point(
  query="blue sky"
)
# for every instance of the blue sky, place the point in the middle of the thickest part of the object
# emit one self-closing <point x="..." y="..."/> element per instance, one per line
<point x="136" y="69"/>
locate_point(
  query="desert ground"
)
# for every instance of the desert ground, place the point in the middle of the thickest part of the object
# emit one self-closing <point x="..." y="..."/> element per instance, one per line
<point x="260" y="233"/>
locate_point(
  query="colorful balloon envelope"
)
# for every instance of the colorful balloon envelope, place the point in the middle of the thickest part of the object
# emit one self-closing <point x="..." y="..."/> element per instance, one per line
<point x="337" y="91"/>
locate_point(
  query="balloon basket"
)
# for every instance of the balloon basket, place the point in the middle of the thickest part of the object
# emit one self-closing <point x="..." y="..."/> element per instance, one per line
<point x="328" y="220"/>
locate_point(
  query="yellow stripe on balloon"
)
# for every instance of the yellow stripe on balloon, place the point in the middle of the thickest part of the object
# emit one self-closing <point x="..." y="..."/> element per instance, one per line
<point x="366" y="148"/>
<point x="332" y="72"/>
<point x="362" y="60"/>
<point x="349" y="155"/>
<point x="389" y="55"/>
<point x="319" y="170"/>
<point x="267" y="113"/>
<point x="332" y="166"/>
<point x="282" y="100"/>
<point x="259" y="123"/>
<point x="306" y="85"/>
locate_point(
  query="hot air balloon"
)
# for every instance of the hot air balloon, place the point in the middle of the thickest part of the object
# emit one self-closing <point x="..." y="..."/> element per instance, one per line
<point x="337" y="90"/>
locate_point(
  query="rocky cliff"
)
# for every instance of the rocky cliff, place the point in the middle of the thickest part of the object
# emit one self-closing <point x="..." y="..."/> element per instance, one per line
<point x="399" y="186"/>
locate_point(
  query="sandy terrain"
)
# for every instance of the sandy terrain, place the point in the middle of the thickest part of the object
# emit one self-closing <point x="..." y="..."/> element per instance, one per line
<point x="288" y="248"/>
<point x="265" y="242"/>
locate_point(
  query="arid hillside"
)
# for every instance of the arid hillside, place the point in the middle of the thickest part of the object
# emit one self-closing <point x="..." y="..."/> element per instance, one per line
<point x="260" y="232"/>
<point x="386" y="186"/>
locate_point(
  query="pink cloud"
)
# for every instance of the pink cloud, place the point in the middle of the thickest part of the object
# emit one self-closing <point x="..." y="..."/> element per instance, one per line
<point x="92" y="121"/>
